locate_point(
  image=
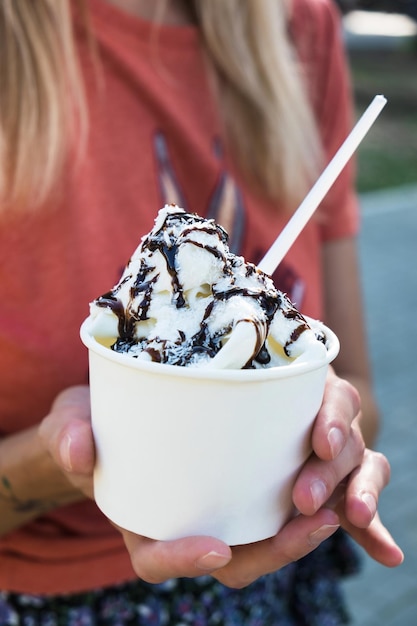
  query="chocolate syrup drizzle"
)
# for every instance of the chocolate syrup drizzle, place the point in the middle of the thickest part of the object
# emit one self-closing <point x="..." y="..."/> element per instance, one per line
<point x="204" y="341"/>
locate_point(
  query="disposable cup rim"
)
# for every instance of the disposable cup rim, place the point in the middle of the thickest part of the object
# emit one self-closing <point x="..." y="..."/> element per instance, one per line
<point x="200" y="373"/>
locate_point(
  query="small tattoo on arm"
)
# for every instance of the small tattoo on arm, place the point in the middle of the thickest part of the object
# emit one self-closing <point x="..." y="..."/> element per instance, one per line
<point x="18" y="505"/>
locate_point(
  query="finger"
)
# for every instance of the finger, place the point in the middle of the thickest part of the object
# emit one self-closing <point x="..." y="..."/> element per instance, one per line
<point x="75" y="448"/>
<point x="76" y="398"/>
<point x="295" y="540"/>
<point x="157" y="561"/>
<point x="364" y="486"/>
<point x="376" y="541"/>
<point x="340" y="406"/>
<point x="66" y="433"/>
<point x="318" y="479"/>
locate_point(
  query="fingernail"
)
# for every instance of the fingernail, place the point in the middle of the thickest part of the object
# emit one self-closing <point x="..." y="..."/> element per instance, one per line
<point x="318" y="492"/>
<point x="212" y="560"/>
<point x="369" y="500"/>
<point x="336" y="441"/>
<point x="324" y="532"/>
<point x="64" y="452"/>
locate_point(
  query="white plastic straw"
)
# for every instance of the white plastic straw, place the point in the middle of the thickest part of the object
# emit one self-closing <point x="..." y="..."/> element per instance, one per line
<point x="312" y="200"/>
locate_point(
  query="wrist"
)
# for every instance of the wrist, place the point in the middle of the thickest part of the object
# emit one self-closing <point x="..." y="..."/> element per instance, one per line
<point x="30" y="482"/>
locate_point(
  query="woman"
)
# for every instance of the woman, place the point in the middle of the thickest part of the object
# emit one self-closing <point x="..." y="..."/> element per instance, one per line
<point x="109" y="110"/>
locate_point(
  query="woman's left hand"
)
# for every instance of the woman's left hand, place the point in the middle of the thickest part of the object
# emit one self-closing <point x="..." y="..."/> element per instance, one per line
<point x="345" y="475"/>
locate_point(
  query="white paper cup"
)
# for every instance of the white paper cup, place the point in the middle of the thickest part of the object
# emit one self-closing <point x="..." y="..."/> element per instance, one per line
<point x="183" y="451"/>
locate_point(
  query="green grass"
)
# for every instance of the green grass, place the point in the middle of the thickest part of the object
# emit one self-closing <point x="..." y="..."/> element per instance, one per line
<point x="388" y="155"/>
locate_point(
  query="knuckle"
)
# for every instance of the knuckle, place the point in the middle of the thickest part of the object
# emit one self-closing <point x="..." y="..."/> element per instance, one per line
<point x="383" y="464"/>
<point x="240" y="583"/>
<point x="147" y="575"/>
<point x="145" y="563"/>
<point x="348" y="390"/>
<point x="355" y="398"/>
<point x="332" y="479"/>
<point x="235" y="581"/>
<point x="358" y="442"/>
<point x="287" y="552"/>
<point x="353" y="395"/>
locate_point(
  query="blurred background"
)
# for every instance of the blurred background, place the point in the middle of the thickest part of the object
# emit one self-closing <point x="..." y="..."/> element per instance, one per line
<point x="381" y="41"/>
<point x="382" y="48"/>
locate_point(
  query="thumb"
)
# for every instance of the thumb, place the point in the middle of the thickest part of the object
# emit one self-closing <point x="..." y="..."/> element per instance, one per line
<point x="66" y="432"/>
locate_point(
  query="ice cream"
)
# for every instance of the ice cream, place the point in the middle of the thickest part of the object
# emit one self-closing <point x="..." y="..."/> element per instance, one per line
<point x="214" y="447"/>
<point x="185" y="299"/>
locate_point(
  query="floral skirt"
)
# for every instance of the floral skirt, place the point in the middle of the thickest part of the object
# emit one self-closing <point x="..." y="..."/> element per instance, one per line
<point x="305" y="593"/>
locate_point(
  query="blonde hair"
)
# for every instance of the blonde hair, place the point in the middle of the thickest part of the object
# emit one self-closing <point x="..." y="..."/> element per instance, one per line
<point x="41" y="98"/>
<point x="267" y="113"/>
<point x="264" y="103"/>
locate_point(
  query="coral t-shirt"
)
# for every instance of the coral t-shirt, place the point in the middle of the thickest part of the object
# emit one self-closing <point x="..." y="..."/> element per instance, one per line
<point x="155" y="137"/>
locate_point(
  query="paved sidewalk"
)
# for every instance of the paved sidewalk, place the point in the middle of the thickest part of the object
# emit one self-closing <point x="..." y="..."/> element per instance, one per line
<point x="380" y="596"/>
